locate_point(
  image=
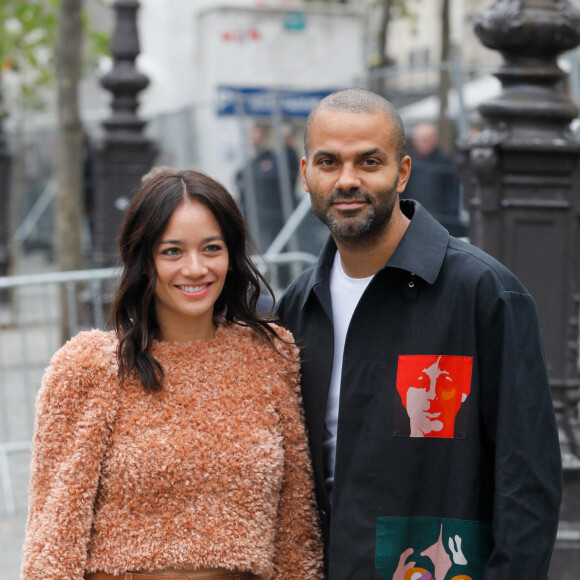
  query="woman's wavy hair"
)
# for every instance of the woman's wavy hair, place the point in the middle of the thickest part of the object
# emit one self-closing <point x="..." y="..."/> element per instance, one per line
<point x="133" y="311"/>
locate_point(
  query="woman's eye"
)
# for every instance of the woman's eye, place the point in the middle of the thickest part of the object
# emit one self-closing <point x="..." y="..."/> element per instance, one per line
<point x="213" y="248"/>
<point x="171" y="252"/>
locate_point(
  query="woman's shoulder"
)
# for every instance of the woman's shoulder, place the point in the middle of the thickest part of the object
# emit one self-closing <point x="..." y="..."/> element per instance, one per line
<point x="283" y="333"/>
<point x="89" y="352"/>
<point x="280" y="357"/>
<point x="89" y="345"/>
<point x="241" y="334"/>
<point x="82" y="374"/>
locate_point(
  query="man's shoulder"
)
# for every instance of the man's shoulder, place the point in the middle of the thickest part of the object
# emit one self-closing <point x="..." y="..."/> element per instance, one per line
<point x="473" y="264"/>
<point x="300" y="285"/>
<point x="296" y="291"/>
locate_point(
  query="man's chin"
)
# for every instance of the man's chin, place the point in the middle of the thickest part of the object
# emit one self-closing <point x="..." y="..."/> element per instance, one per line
<point x="349" y="227"/>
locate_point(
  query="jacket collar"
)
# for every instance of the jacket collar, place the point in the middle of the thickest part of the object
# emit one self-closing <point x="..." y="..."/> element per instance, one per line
<point x="422" y="248"/>
<point x="421" y="251"/>
<point x="321" y="275"/>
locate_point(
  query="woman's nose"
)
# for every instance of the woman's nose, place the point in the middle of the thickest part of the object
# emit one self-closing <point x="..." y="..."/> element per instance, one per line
<point x="194" y="266"/>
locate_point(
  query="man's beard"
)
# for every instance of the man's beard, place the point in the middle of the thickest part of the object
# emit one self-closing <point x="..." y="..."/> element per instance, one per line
<point x="366" y="228"/>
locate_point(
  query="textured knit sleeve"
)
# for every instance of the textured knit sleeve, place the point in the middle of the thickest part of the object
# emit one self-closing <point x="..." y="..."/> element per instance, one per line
<point x="520" y="423"/>
<point x="298" y="547"/>
<point x="75" y="409"/>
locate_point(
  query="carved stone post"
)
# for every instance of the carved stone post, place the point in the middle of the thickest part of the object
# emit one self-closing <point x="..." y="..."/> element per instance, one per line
<point x="522" y="177"/>
<point x="125" y="154"/>
<point x="522" y="182"/>
<point x="5" y="164"/>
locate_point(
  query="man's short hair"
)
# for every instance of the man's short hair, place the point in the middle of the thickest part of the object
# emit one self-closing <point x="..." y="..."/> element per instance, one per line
<point x="359" y="101"/>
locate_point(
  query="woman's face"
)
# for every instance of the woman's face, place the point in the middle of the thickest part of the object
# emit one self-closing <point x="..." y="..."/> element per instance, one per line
<point x="191" y="259"/>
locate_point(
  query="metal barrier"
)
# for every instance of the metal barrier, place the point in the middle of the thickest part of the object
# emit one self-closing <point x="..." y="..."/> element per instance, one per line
<point x="30" y="333"/>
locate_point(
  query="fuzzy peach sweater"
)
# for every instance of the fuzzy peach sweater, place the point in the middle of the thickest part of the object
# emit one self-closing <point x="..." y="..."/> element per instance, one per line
<point x="213" y="471"/>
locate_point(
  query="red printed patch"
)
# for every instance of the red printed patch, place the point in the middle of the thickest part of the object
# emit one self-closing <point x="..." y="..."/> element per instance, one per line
<point x="433" y="389"/>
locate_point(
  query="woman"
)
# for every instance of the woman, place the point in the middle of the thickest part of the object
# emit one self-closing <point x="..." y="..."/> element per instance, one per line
<point x="174" y="446"/>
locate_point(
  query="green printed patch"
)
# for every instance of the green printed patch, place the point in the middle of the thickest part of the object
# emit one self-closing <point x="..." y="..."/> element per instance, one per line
<point x="420" y="548"/>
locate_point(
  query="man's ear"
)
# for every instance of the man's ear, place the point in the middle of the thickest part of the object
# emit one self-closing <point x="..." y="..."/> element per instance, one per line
<point x="404" y="173"/>
<point x="303" y="173"/>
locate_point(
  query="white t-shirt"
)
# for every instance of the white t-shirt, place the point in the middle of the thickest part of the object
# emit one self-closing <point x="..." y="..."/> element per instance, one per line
<point x="345" y="293"/>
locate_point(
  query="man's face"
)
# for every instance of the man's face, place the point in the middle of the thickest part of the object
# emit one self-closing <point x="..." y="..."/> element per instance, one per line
<point x="351" y="172"/>
<point x="433" y="389"/>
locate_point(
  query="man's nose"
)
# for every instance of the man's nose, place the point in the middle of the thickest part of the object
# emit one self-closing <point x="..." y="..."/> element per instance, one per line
<point x="348" y="179"/>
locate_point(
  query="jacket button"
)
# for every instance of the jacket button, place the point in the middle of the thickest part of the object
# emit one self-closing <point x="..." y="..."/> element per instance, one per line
<point x="411" y="284"/>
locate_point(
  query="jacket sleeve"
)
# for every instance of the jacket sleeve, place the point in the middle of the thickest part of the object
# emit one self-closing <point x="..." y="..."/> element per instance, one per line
<point x="298" y="547"/>
<point x="520" y="423"/>
<point x="75" y="409"/>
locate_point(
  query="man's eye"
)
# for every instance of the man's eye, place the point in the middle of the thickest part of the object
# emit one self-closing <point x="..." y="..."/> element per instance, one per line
<point x="371" y="162"/>
<point x="327" y="162"/>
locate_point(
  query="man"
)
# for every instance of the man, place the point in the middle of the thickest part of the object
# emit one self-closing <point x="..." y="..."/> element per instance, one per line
<point x="395" y="300"/>
<point x="433" y="182"/>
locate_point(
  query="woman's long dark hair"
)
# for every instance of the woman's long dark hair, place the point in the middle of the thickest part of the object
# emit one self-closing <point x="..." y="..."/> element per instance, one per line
<point x="133" y="311"/>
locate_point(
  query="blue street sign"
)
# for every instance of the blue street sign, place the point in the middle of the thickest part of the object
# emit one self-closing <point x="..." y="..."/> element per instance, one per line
<point x="260" y="102"/>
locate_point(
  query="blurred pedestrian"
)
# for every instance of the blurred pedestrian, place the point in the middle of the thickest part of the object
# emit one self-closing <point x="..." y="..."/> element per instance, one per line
<point x="174" y="445"/>
<point x="263" y="174"/>
<point x="433" y="182"/>
<point x="292" y="158"/>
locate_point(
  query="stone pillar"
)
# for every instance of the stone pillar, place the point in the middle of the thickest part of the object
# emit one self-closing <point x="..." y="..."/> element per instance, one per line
<point x="5" y="165"/>
<point x="522" y="179"/>
<point x="522" y="182"/>
<point x="125" y="155"/>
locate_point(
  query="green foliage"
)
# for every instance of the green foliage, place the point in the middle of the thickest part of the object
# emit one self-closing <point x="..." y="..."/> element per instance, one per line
<point x="28" y="40"/>
<point x="100" y="42"/>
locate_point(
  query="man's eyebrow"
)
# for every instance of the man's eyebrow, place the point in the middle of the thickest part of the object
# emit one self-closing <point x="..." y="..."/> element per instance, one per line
<point x="322" y="153"/>
<point x="361" y="154"/>
<point x="371" y="152"/>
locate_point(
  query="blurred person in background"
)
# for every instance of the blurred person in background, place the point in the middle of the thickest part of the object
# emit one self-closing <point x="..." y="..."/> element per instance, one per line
<point x="174" y="445"/>
<point x="433" y="182"/>
<point x="264" y="175"/>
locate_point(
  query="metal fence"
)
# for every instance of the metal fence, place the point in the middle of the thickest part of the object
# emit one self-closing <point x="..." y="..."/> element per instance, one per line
<point x="31" y="322"/>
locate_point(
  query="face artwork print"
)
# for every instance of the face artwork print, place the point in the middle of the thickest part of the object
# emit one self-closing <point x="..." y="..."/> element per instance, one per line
<point x="421" y="548"/>
<point x="434" y="392"/>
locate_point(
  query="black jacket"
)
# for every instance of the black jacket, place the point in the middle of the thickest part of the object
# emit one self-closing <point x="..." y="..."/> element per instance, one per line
<point x="488" y="495"/>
